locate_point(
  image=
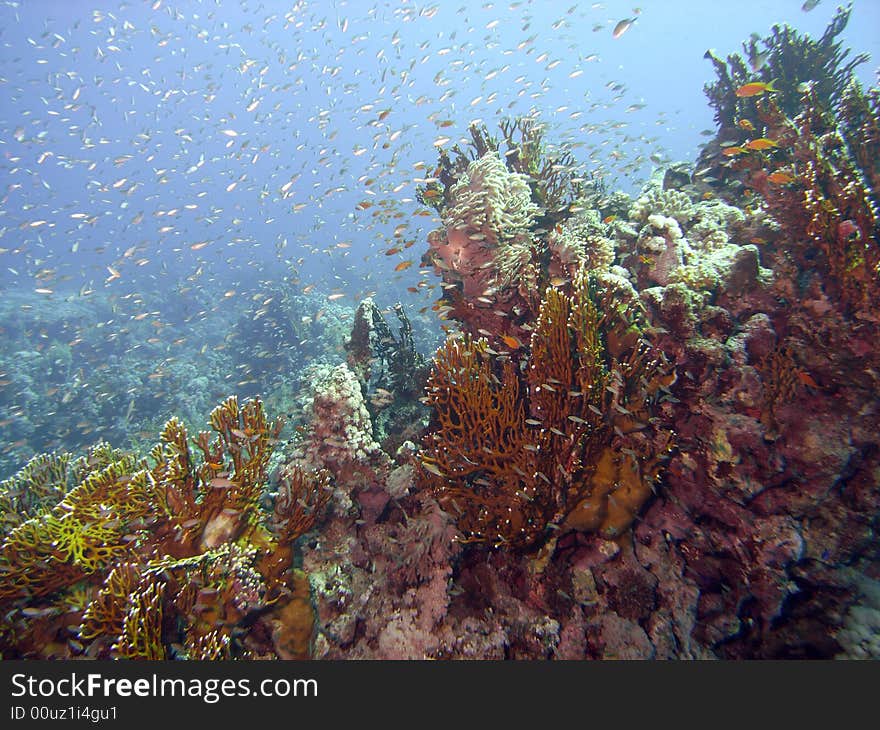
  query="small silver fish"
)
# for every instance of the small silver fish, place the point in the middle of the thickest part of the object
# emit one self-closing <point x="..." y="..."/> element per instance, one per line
<point x="622" y="27"/>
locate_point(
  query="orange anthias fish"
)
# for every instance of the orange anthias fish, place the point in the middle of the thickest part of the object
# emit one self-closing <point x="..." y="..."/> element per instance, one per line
<point x="755" y="88"/>
<point x="731" y="151"/>
<point x="762" y="143"/>
<point x="806" y="379"/>
<point x="745" y="124"/>
<point x="780" y="177"/>
<point x="512" y="342"/>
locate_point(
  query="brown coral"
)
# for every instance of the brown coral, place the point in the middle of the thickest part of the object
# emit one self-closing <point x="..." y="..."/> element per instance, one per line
<point x="170" y="557"/>
<point x="515" y="456"/>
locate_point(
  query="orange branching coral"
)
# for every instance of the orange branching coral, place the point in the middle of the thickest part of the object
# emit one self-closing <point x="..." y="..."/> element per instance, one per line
<point x="39" y="485"/>
<point x="168" y="557"/>
<point x="141" y="636"/>
<point x="302" y="496"/>
<point x="569" y="443"/>
<point x="214" y="501"/>
<point x="781" y="379"/>
<point x="105" y="615"/>
<point x="478" y="459"/>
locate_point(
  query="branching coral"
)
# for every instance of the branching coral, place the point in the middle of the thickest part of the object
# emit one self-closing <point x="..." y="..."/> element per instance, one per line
<point x="391" y="373"/>
<point x="810" y="149"/>
<point x="302" y="497"/>
<point x="568" y="443"/>
<point x="830" y="205"/>
<point x="141" y="636"/>
<point x="157" y="558"/>
<point x="779" y="376"/>
<point x="381" y="359"/>
<point x="789" y="59"/>
<point x="860" y="126"/>
<point x="40" y="484"/>
<point x="553" y="173"/>
<point x="80" y="535"/>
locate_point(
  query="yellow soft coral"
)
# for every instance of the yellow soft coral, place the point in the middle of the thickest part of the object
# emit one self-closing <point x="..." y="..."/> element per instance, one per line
<point x="158" y="557"/>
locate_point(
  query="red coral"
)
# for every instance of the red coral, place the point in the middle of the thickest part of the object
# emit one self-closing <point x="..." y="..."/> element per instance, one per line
<point x="826" y="211"/>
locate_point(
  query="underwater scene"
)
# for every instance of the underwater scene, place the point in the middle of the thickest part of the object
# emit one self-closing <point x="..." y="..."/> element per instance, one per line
<point x="439" y="330"/>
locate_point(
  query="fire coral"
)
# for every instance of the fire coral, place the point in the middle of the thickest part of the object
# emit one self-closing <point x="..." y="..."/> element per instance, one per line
<point x="166" y="557"/>
<point x="566" y="442"/>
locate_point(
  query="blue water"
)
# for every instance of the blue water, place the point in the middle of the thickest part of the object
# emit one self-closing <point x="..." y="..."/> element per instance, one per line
<point x="177" y="156"/>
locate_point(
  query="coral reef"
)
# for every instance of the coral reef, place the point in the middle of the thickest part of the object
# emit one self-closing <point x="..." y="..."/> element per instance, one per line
<point x="67" y="379"/>
<point x="651" y="430"/>
<point x="391" y="373"/>
<point x="831" y="208"/>
<point x="745" y="544"/>
<point x="163" y="557"/>
<point x="788" y="59"/>
<point x="568" y="444"/>
<point x="807" y="149"/>
<point x="513" y="223"/>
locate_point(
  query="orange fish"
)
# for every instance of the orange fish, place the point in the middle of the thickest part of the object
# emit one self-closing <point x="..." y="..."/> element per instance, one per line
<point x="731" y="151"/>
<point x="755" y="88"/>
<point x="762" y="143"/>
<point x="745" y="124"/>
<point x="403" y="265"/>
<point x="512" y="342"/>
<point x="780" y="178"/>
<point x="806" y="379"/>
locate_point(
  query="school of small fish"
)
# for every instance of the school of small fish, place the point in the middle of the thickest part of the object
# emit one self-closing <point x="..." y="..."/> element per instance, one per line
<point x="185" y="142"/>
<point x="206" y="150"/>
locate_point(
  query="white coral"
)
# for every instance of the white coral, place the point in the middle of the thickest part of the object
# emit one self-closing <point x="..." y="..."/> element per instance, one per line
<point x="342" y="428"/>
<point x="582" y="239"/>
<point x="663" y="248"/>
<point x="669" y="203"/>
<point x="491" y="200"/>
